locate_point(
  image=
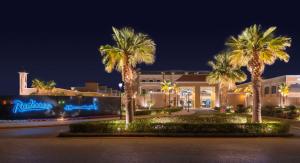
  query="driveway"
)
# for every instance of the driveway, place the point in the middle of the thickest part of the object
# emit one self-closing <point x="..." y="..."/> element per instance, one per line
<point x="149" y="150"/>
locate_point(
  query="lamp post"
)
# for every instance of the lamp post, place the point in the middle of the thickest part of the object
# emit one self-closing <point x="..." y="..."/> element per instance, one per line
<point x="120" y="86"/>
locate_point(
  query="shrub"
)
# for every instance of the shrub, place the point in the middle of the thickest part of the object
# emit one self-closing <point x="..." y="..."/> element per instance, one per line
<point x="184" y="124"/>
<point x="148" y="127"/>
<point x="290" y="112"/>
<point x="157" y="111"/>
<point x="229" y="109"/>
<point x="218" y="109"/>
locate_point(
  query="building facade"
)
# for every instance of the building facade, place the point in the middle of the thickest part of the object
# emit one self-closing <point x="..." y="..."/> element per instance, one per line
<point x="193" y="90"/>
<point x="270" y="94"/>
<point x="92" y="89"/>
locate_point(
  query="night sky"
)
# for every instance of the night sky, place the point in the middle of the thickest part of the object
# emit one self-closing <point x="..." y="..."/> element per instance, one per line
<point x="59" y="41"/>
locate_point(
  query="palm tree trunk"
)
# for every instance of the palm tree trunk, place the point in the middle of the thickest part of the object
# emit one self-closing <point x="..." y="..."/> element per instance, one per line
<point x="256" y="72"/>
<point x="256" y="117"/>
<point x="128" y="89"/>
<point x="169" y="99"/>
<point x="128" y="103"/>
<point x="224" y="97"/>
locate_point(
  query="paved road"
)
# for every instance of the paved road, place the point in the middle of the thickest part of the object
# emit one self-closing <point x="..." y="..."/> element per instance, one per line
<point x="144" y="150"/>
<point x="35" y="145"/>
<point x="36" y="132"/>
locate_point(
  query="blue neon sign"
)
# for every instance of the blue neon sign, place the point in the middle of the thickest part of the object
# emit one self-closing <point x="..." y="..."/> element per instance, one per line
<point x="93" y="106"/>
<point x="31" y="105"/>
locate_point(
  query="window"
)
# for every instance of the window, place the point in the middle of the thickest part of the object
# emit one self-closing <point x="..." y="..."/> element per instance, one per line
<point x="150" y="80"/>
<point x="274" y="89"/>
<point x="143" y="91"/>
<point x="143" y="80"/>
<point x="158" y="90"/>
<point x="157" y="80"/>
<point x="267" y="90"/>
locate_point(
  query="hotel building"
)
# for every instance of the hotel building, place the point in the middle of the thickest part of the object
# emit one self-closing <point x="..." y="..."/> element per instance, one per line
<point x="270" y="93"/>
<point x="194" y="91"/>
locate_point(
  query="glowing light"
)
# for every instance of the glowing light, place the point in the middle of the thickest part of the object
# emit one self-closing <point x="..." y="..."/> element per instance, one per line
<point x="60" y="119"/>
<point x="93" y="106"/>
<point x="31" y="105"/>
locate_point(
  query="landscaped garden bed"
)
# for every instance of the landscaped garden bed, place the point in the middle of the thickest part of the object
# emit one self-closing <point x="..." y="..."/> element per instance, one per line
<point x="191" y="125"/>
<point x="289" y="112"/>
<point x="157" y="111"/>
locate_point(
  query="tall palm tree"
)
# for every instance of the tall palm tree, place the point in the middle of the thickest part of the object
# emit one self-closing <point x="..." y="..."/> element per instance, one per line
<point x="130" y="48"/>
<point x="224" y="74"/>
<point x="284" y="90"/>
<point x="166" y="87"/>
<point x="255" y="48"/>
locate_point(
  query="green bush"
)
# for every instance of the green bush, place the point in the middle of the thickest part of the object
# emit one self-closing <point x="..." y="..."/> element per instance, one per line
<point x="218" y="109"/>
<point x="148" y="127"/>
<point x="289" y="112"/>
<point x="157" y="111"/>
<point x="184" y="124"/>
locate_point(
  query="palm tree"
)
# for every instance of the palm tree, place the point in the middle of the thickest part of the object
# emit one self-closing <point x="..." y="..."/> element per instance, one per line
<point x="42" y="85"/>
<point x="165" y="87"/>
<point x="248" y="91"/>
<point x="38" y="84"/>
<point x="175" y="89"/>
<point x="284" y="90"/>
<point x="50" y="85"/>
<point x="224" y="74"/>
<point x="254" y="49"/>
<point x="130" y="49"/>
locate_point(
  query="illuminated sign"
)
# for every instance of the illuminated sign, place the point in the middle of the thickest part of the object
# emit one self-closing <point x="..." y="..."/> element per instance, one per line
<point x="31" y="105"/>
<point x="93" y="106"/>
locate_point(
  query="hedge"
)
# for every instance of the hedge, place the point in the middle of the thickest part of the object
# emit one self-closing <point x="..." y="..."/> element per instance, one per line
<point x="157" y="111"/>
<point x="149" y="127"/>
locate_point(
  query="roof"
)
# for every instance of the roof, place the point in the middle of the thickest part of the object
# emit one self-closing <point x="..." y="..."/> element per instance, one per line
<point x="192" y="78"/>
<point x="169" y="72"/>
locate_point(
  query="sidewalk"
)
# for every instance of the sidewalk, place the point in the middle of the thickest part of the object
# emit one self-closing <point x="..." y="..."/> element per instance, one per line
<point x="5" y="124"/>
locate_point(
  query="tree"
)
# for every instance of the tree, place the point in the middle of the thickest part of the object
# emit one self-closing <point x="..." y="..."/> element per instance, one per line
<point x="166" y="87"/>
<point x="284" y="90"/>
<point x="224" y="74"/>
<point x="255" y="48"/>
<point x="38" y="84"/>
<point x="130" y="49"/>
<point x="50" y="85"/>
<point x="248" y="91"/>
<point x="41" y="85"/>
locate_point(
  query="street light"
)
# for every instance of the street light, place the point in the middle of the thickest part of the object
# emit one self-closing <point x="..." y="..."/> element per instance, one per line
<point x="120" y="86"/>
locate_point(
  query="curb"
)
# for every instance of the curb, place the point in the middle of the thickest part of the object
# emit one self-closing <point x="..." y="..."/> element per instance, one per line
<point x="68" y="134"/>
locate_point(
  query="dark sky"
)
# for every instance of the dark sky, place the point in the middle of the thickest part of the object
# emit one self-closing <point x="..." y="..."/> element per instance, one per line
<point x="59" y="41"/>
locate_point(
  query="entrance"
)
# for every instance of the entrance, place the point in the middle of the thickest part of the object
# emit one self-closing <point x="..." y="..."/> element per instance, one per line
<point x="207" y="97"/>
<point x="187" y="97"/>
